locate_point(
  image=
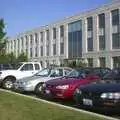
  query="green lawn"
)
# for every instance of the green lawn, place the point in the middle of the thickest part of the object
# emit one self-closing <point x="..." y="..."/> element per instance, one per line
<point x="14" y="107"/>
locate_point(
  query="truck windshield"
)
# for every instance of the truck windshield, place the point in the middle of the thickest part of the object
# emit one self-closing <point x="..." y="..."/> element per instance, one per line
<point x="16" y="66"/>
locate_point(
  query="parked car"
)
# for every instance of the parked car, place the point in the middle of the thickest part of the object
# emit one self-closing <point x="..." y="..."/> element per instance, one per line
<point x="104" y="94"/>
<point x="34" y="83"/>
<point x="101" y="71"/>
<point x="8" y="77"/>
<point x="63" y="88"/>
<point x="5" y="66"/>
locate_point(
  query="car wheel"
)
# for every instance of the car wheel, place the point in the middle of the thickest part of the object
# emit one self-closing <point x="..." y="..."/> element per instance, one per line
<point x="38" y="89"/>
<point x="8" y="83"/>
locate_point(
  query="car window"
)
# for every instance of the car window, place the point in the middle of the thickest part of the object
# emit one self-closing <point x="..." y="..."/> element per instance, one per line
<point x="67" y="71"/>
<point x="37" y="67"/>
<point x="74" y="74"/>
<point x="57" y="72"/>
<point x="27" y="67"/>
<point x="44" y="72"/>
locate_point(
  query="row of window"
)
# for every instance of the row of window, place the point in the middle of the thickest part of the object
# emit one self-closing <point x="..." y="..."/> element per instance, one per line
<point x="102" y="62"/>
<point x="101" y="22"/>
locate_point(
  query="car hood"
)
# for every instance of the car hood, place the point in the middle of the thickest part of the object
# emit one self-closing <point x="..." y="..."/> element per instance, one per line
<point x="63" y="81"/>
<point x="31" y="78"/>
<point x="101" y="87"/>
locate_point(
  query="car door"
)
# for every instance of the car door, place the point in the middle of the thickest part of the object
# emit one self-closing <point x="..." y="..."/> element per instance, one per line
<point x="27" y="69"/>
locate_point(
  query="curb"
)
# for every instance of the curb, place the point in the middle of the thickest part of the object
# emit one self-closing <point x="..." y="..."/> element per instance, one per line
<point x="63" y="106"/>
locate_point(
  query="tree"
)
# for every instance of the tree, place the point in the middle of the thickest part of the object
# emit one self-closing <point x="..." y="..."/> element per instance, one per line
<point x="2" y="37"/>
<point x="22" y="57"/>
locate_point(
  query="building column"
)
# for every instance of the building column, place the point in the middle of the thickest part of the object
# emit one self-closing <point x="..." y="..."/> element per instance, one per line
<point x="44" y="43"/>
<point x="84" y="36"/>
<point x="28" y="46"/>
<point x="51" y="42"/>
<point x="33" y="46"/>
<point x="96" y="62"/>
<point x="58" y="41"/>
<point x="66" y="40"/>
<point x="109" y="62"/>
<point x="95" y="33"/>
<point x="16" y="52"/>
<point x="108" y="31"/>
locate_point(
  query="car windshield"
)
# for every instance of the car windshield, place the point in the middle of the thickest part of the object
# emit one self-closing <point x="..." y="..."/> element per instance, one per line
<point x="44" y="72"/>
<point x="113" y="75"/>
<point x="75" y="74"/>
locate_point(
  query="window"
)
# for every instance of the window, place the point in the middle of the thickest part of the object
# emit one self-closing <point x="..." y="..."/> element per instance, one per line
<point x="89" y="24"/>
<point x="44" y="72"/>
<point x="31" y="39"/>
<point x="36" y="38"/>
<point x="90" y="44"/>
<point x="41" y="50"/>
<point x="102" y="61"/>
<point x="75" y="39"/>
<point x="56" y="73"/>
<point x="90" y="62"/>
<point x="37" y="67"/>
<point x="47" y="34"/>
<point x="90" y="29"/>
<point x="61" y="48"/>
<point x="116" y="61"/>
<point x="67" y="71"/>
<point x="41" y="34"/>
<point x="62" y="31"/>
<point x="54" y="33"/>
<point x="47" y="48"/>
<point x="36" y="53"/>
<point x="102" y="20"/>
<point x="101" y="42"/>
<point x="22" y="41"/>
<point x="115" y="41"/>
<point x="26" y="38"/>
<point x="54" y="49"/>
<point x="115" y="17"/>
<point x="27" y="67"/>
<point x="30" y="52"/>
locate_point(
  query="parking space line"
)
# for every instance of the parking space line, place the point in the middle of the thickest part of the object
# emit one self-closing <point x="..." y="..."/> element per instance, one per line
<point x="63" y="106"/>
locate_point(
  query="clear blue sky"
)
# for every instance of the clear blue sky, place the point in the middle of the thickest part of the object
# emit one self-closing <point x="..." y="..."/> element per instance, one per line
<point x="22" y="15"/>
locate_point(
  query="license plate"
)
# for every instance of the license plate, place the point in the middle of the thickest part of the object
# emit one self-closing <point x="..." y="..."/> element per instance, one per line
<point x="88" y="102"/>
<point x="47" y="91"/>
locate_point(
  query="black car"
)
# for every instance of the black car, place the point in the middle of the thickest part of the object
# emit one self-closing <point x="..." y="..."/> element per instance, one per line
<point x="5" y="66"/>
<point x="103" y="94"/>
<point x="101" y="71"/>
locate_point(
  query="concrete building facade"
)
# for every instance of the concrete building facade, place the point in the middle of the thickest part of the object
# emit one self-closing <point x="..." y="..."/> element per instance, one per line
<point x="92" y="35"/>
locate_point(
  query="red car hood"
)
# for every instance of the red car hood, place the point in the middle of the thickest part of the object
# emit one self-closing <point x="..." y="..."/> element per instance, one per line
<point x="68" y="80"/>
<point x="63" y="81"/>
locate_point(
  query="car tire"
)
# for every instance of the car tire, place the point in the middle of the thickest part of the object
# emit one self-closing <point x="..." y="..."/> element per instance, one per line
<point x="38" y="89"/>
<point x="8" y="83"/>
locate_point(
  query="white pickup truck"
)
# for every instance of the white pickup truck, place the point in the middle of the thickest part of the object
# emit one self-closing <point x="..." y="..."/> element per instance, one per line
<point x="8" y="77"/>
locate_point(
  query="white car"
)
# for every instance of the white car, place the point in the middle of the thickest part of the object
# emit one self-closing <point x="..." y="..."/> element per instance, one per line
<point x="34" y="83"/>
<point x="8" y="77"/>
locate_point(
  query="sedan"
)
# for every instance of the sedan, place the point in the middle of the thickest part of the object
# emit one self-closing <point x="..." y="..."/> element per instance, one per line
<point x="104" y="94"/>
<point x="63" y="88"/>
<point x="34" y="83"/>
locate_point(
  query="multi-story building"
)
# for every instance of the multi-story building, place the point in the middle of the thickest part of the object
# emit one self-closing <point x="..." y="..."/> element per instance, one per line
<point x="93" y="35"/>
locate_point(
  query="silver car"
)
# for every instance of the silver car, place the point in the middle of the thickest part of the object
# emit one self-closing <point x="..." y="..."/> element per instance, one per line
<point x="34" y="83"/>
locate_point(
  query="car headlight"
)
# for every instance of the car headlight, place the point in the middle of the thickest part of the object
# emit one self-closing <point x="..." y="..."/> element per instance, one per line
<point x="27" y="83"/>
<point x="110" y="95"/>
<point x="78" y="91"/>
<point x="62" y="87"/>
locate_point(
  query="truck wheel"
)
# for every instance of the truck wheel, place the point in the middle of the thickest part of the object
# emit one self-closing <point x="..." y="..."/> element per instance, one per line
<point x="8" y="83"/>
<point x="38" y="89"/>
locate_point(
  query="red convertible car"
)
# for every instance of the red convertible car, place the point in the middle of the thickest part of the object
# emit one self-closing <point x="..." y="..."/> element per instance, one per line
<point x="63" y="88"/>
